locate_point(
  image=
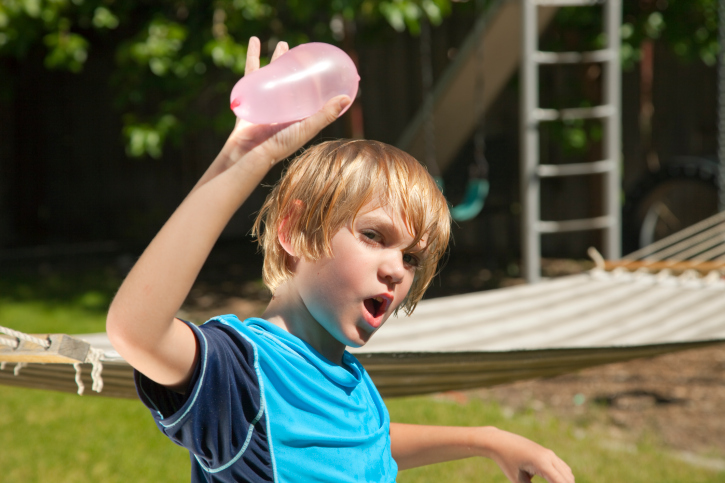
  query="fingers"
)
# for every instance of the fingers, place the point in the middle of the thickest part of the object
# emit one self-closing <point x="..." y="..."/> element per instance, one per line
<point x="253" y="50"/>
<point x="564" y="470"/>
<point x="329" y="112"/>
<point x="557" y="471"/>
<point x="281" y="48"/>
<point x="274" y="142"/>
<point x="336" y="105"/>
<point x="298" y="133"/>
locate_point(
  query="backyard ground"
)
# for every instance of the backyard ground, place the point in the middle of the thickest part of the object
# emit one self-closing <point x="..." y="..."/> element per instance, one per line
<point x="677" y="399"/>
<point x="672" y="403"/>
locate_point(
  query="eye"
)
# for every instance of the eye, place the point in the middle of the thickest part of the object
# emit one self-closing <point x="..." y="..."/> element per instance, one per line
<point x="411" y="260"/>
<point x="371" y="236"/>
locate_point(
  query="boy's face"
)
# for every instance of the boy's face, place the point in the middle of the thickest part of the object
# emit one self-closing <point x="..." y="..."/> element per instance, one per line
<point x="369" y="275"/>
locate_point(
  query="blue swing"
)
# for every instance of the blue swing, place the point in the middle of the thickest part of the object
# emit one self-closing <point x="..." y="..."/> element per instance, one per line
<point x="474" y="198"/>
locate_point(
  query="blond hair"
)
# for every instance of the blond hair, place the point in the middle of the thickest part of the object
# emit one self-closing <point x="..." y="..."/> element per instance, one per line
<point x="333" y="180"/>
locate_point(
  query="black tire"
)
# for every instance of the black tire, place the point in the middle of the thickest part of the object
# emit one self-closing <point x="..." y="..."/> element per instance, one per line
<point x="683" y="192"/>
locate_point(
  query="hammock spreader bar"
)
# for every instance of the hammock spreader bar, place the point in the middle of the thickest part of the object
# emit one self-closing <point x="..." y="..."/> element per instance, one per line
<point x="60" y="348"/>
<point x="40" y="349"/>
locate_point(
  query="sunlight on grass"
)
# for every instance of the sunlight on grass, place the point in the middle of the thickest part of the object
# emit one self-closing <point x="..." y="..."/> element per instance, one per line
<point x="49" y="436"/>
<point x="590" y="460"/>
<point x="36" y="317"/>
<point x="69" y="304"/>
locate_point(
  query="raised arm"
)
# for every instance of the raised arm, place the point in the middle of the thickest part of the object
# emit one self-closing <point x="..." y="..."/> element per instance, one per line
<point x="519" y="458"/>
<point x="141" y="322"/>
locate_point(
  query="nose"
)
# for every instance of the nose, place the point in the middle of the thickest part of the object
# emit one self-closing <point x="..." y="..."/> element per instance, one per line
<point x="392" y="269"/>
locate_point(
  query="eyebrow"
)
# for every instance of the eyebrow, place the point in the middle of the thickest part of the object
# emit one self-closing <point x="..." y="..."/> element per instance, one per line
<point x="381" y="221"/>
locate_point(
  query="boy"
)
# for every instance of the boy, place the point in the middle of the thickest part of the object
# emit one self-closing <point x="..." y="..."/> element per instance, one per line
<point x="351" y="234"/>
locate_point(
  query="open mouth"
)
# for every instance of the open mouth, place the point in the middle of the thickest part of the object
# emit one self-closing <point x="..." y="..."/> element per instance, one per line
<point x="376" y="307"/>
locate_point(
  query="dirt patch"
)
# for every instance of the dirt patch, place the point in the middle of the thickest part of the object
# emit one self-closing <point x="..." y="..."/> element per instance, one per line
<point x="677" y="398"/>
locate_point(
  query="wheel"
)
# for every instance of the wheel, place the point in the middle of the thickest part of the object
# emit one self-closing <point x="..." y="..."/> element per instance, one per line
<point x="681" y="193"/>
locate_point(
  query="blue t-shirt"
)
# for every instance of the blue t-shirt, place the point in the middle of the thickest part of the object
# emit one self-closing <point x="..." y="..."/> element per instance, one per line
<point x="263" y="405"/>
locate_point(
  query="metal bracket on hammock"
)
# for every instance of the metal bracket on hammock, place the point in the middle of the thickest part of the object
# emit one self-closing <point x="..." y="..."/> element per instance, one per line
<point x="62" y="349"/>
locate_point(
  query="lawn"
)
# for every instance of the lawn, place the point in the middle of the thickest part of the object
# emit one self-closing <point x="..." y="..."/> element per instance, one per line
<point x="57" y="437"/>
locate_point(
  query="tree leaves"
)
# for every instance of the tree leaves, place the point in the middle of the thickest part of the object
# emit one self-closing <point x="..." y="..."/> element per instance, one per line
<point x="174" y="57"/>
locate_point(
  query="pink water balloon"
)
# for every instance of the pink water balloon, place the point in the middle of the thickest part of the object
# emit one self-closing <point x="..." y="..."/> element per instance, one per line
<point x="296" y="85"/>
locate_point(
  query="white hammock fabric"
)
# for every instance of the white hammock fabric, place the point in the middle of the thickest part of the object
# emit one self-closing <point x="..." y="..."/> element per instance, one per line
<point x="554" y="327"/>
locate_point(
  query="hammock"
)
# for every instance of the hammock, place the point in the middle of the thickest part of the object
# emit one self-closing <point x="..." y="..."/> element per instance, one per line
<point x="669" y="296"/>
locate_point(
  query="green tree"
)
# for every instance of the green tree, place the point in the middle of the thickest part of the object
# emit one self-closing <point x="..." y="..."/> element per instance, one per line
<point x="174" y="55"/>
<point x="688" y="27"/>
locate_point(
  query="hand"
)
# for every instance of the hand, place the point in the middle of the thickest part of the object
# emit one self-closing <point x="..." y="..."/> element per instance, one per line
<point x="521" y="459"/>
<point x="272" y="143"/>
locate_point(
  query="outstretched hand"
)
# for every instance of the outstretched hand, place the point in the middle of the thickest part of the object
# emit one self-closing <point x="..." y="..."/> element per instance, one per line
<point x="521" y="459"/>
<point x="268" y="144"/>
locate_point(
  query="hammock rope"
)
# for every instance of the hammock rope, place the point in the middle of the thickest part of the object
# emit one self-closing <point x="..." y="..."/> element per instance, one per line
<point x="93" y="357"/>
<point x="699" y="243"/>
<point x="18" y="366"/>
<point x="45" y="343"/>
<point x="711" y="270"/>
<point x="679" y="241"/>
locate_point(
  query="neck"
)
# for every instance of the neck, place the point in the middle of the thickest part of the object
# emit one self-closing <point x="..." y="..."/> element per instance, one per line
<point x="287" y="310"/>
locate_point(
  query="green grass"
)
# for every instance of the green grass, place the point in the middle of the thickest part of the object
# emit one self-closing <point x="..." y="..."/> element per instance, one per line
<point x="56" y="303"/>
<point x="47" y="436"/>
<point x="50" y="317"/>
<point x="582" y="445"/>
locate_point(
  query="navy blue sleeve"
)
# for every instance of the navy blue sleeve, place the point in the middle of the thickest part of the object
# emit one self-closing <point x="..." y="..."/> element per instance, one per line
<point x="220" y="419"/>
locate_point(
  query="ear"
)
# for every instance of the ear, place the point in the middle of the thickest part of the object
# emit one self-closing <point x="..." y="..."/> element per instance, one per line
<point x="283" y="229"/>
